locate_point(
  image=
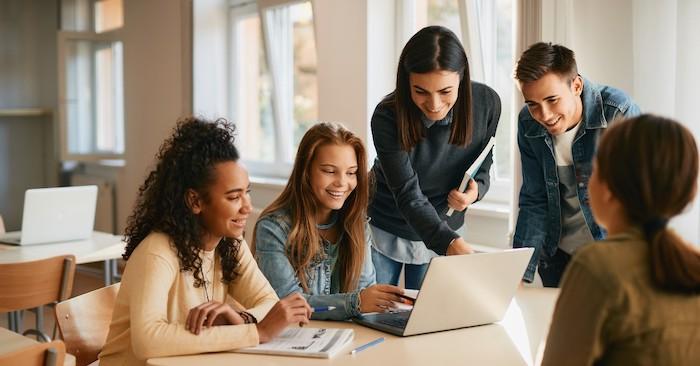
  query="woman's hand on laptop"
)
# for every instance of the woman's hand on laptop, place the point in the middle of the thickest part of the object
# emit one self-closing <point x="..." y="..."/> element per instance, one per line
<point x="379" y="298"/>
<point x="459" y="246"/>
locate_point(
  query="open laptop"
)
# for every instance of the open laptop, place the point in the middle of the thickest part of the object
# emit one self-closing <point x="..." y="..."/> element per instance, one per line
<point x="458" y="291"/>
<point x="55" y="215"/>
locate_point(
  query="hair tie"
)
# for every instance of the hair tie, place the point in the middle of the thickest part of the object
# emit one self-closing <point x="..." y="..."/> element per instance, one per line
<point x="654" y="225"/>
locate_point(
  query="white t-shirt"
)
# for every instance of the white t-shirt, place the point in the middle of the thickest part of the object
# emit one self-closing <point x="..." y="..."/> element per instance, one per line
<point x="574" y="230"/>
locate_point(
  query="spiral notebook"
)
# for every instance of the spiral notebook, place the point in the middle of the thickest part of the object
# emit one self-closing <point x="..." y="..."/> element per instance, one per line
<point x="306" y="342"/>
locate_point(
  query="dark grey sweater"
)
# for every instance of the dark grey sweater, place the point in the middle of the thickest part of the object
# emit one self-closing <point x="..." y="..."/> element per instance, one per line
<point x="410" y="200"/>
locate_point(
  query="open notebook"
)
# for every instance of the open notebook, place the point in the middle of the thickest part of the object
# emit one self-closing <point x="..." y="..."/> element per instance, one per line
<point x="306" y="342"/>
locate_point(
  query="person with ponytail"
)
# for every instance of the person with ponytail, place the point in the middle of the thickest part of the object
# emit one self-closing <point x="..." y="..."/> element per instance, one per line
<point x="634" y="298"/>
<point x="191" y="284"/>
<point x="314" y="238"/>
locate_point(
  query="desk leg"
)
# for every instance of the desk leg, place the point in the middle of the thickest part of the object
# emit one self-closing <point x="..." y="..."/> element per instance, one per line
<point x="115" y="270"/>
<point x="108" y="272"/>
<point x="40" y="318"/>
<point x="17" y="315"/>
<point x="11" y="321"/>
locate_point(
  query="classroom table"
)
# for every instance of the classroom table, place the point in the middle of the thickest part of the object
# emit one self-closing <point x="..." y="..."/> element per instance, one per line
<point x="11" y="341"/>
<point x="100" y="247"/>
<point x="517" y="340"/>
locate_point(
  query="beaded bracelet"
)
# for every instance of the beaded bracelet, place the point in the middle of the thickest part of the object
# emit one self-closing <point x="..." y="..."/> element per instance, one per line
<point x="248" y="318"/>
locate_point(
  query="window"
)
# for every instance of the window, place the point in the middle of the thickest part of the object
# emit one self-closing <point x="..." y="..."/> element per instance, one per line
<point x="91" y="106"/>
<point x="489" y="31"/>
<point x="272" y="88"/>
<point x="438" y="12"/>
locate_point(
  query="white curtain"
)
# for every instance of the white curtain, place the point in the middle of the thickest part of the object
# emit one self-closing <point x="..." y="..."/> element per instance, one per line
<point x="279" y="50"/>
<point x="478" y="20"/>
<point x="528" y="27"/>
<point x="666" y="55"/>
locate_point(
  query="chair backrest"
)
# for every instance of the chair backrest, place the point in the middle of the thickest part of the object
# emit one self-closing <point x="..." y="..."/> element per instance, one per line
<point x="39" y="354"/>
<point x="84" y="322"/>
<point x="26" y="285"/>
<point x="2" y="225"/>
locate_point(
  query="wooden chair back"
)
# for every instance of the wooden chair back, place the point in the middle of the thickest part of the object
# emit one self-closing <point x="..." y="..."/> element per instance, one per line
<point x="28" y="285"/>
<point x="84" y="322"/>
<point x="39" y="354"/>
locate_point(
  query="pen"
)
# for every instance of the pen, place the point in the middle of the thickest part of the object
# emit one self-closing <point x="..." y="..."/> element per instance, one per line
<point x="319" y="309"/>
<point x="367" y="345"/>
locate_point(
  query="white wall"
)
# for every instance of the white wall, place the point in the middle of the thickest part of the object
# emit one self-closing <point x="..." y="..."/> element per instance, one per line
<point x="28" y="79"/>
<point x="157" y="85"/>
<point x="649" y="49"/>
<point x="686" y="97"/>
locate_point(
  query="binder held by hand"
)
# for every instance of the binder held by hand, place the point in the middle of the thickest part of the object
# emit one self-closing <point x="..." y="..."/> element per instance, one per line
<point x="471" y="171"/>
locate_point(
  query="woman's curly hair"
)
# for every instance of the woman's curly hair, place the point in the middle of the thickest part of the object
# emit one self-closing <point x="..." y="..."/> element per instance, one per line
<point x="185" y="161"/>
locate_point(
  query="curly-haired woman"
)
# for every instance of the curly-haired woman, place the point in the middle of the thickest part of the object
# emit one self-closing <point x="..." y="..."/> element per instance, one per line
<point x="191" y="284"/>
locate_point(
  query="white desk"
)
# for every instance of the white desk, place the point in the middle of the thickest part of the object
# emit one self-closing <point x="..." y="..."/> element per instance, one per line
<point x="11" y="341"/>
<point x="517" y="340"/>
<point x="101" y="247"/>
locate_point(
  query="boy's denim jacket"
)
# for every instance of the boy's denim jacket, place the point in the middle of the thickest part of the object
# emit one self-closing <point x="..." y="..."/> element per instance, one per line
<point x="539" y="217"/>
<point x="323" y="280"/>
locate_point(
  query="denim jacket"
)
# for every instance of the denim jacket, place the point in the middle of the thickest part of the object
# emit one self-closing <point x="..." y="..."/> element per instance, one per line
<point x="271" y="235"/>
<point x="539" y="218"/>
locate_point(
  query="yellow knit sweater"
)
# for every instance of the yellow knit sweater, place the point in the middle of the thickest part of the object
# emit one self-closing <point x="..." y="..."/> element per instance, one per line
<point x="155" y="298"/>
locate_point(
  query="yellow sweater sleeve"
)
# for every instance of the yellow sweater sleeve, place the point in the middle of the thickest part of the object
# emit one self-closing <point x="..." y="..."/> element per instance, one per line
<point x="250" y="287"/>
<point x="152" y="335"/>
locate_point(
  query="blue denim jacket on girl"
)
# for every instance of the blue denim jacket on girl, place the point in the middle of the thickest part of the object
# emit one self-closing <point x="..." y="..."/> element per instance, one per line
<point x="323" y="280"/>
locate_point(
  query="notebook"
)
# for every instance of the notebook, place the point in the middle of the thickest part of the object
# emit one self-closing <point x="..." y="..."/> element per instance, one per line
<point x="55" y="215"/>
<point x="306" y="342"/>
<point x="458" y="291"/>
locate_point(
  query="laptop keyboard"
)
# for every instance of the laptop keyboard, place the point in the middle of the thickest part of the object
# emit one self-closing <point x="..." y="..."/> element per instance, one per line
<point x="398" y="320"/>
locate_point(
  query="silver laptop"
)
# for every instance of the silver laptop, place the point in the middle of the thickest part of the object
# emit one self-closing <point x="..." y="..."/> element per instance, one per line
<point x="458" y="291"/>
<point x="55" y="215"/>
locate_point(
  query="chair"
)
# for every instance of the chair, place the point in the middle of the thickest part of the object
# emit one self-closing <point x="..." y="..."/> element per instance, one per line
<point x="39" y="354"/>
<point x="33" y="284"/>
<point x="2" y="225"/>
<point x="83" y="322"/>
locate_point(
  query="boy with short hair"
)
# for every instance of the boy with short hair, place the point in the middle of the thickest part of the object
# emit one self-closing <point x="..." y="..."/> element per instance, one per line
<point x="558" y="131"/>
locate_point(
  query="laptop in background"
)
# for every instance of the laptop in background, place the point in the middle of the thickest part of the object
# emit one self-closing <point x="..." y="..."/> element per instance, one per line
<point x="55" y="215"/>
<point x="457" y="292"/>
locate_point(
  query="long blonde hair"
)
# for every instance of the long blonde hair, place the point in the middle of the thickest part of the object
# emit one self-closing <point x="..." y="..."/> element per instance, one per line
<point x="304" y="240"/>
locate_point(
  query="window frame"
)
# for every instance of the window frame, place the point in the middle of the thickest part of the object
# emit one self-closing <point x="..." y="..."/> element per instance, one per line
<point x="239" y="9"/>
<point x="63" y="38"/>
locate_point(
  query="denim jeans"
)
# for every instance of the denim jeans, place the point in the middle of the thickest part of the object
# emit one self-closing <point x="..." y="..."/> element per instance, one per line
<point x="388" y="271"/>
<point x="552" y="269"/>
